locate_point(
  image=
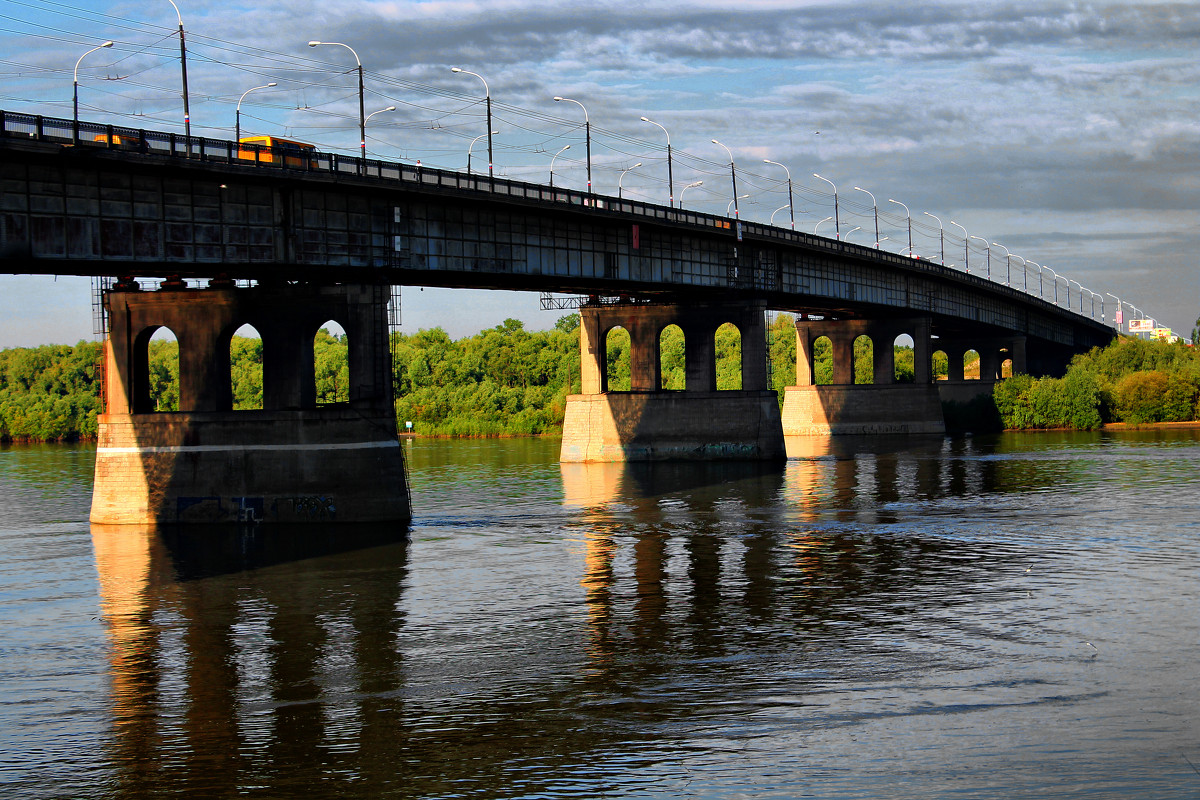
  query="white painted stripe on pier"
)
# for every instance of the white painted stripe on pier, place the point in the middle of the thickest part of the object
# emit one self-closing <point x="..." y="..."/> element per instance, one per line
<point x="246" y="448"/>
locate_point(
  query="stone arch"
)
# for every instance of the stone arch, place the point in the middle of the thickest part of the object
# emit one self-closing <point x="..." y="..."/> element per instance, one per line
<point x="1006" y="365"/>
<point x="615" y="372"/>
<point x="331" y="363"/>
<point x="940" y="364"/>
<point x="864" y="359"/>
<point x="155" y="381"/>
<point x="727" y="357"/>
<point x="672" y="358"/>
<point x="971" y="365"/>
<point x="822" y="360"/>
<point x="904" y="369"/>
<point x="245" y="349"/>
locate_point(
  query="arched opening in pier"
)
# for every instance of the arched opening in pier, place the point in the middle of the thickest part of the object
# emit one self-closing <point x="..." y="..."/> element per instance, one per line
<point x="672" y="359"/>
<point x="864" y="360"/>
<point x="331" y="364"/>
<point x="1006" y="364"/>
<point x="728" y="349"/>
<point x="616" y="373"/>
<point x="971" y="365"/>
<point x="940" y="364"/>
<point x="156" y="371"/>
<point x="822" y="356"/>
<point x="906" y="362"/>
<point x="246" y="368"/>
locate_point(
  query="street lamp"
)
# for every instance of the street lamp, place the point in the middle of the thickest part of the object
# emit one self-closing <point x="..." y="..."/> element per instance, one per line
<point x="187" y="116"/>
<point x="237" y="125"/>
<point x="1055" y="282"/>
<point x="733" y="177"/>
<point x="989" y="255"/>
<point x="1025" y="272"/>
<point x="837" y="228"/>
<point x="368" y="119"/>
<point x="75" y="92"/>
<point x="907" y="216"/>
<point x="1117" y="317"/>
<point x="556" y="155"/>
<point x="875" y="208"/>
<point x="966" y="246"/>
<point x="1080" y="285"/>
<point x="1008" y="258"/>
<point x="846" y="238"/>
<point x="670" y="178"/>
<point x="684" y="189"/>
<point x="471" y="146"/>
<point x="622" y="178"/>
<point x="362" y="116"/>
<point x="587" y="137"/>
<point x="789" y="180"/>
<point x="941" y="236"/>
<point x="1039" y="267"/>
<point x="776" y="211"/>
<point x="819" y="225"/>
<point x="733" y="202"/>
<point x="487" y="97"/>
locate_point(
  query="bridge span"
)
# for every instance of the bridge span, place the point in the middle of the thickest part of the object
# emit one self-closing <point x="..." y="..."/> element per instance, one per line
<point x="123" y="203"/>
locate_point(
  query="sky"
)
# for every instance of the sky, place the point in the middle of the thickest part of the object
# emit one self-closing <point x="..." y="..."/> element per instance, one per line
<point x="1067" y="132"/>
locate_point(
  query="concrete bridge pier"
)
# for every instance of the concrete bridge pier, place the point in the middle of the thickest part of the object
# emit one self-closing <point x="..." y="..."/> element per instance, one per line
<point x="993" y="352"/>
<point x="291" y="460"/>
<point x="881" y="406"/>
<point x="649" y="423"/>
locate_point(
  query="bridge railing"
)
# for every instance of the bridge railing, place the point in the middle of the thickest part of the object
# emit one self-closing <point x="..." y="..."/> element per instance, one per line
<point x="142" y="141"/>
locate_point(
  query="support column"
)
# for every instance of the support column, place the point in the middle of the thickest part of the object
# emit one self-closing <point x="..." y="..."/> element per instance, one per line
<point x="805" y="374"/>
<point x="843" y="358"/>
<point x="650" y="424"/>
<point x="289" y="461"/>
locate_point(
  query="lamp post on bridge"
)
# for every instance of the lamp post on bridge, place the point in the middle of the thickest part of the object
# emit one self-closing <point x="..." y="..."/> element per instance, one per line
<point x="556" y="155"/>
<point x="732" y="202"/>
<point x="622" y="178"/>
<point x="966" y="246"/>
<point x="362" y="112"/>
<point x="1008" y="259"/>
<point x="487" y="99"/>
<point x="1039" y="268"/>
<point x="733" y="178"/>
<point x="1055" y="282"/>
<point x="837" y="228"/>
<point x="587" y="137"/>
<point x="776" y="211"/>
<point x="75" y="91"/>
<point x="908" y="217"/>
<point x="1025" y="272"/>
<point x="684" y="189"/>
<point x="790" y="196"/>
<point x="1118" y="317"/>
<point x="819" y="225"/>
<point x="187" y="116"/>
<point x="875" y="208"/>
<point x="670" y="177"/>
<point x="368" y="119"/>
<point x="237" y="124"/>
<point x="941" y="237"/>
<point x="989" y="255"/>
<point x="472" y="147"/>
<point x="1080" y="285"/>
<point x="846" y="238"/>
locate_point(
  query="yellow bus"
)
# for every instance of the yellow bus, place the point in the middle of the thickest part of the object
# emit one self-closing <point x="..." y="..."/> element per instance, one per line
<point x="276" y="150"/>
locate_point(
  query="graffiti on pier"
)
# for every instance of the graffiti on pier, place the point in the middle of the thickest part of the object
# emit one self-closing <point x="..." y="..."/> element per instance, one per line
<point x="312" y="507"/>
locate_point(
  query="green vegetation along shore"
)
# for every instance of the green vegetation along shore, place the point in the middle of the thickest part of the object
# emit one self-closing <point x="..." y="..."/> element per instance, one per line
<point x="510" y="381"/>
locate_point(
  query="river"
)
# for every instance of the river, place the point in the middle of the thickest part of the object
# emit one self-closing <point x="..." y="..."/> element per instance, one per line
<point x="991" y="617"/>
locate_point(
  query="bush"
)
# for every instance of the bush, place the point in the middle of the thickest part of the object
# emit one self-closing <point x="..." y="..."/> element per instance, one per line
<point x="1156" y="396"/>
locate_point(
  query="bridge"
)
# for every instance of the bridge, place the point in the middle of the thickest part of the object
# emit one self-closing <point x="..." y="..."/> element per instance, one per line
<point x="320" y="235"/>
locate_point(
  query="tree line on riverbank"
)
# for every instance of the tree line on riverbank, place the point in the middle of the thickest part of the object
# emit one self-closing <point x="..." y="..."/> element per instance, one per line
<point x="509" y="381"/>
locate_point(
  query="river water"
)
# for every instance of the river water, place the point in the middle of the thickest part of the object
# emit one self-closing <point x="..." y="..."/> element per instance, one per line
<point x="1007" y="617"/>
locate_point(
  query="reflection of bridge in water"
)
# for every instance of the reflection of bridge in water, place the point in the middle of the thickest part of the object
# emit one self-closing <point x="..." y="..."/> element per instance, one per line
<point x="323" y="236"/>
<point x="264" y="661"/>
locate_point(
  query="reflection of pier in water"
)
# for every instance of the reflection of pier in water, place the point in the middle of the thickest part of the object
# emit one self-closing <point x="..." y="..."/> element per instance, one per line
<point x="241" y="662"/>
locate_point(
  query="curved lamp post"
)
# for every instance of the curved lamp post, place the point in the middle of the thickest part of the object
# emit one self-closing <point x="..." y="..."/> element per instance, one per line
<point x="587" y="137"/>
<point x="789" y="180"/>
<point x="622" y="178"/>
<point x="237" y="125"/>
<point x="472" y="147"/>
<point x="908" y="217"/>
<point x="684" y="189"/>
<point x="1007" y="258"/>
<point x="1118" y="317"/>
<point x="556" y="155"/>
<point x="487" y="98"/>
<point x="941" y="236"/>
<point x="776" y="211"/>
<point x="362" y="114"/>
<point x="1025" y="272"/>
<point x="966" y="246"/>
<point x="1039" y="268"/>
<point x="733" y="203"/>
<point x="875" y="207"/>
<point x="989" y="255"/>
<point x="846" y="238"/>
<point x="75" y="91"/>
<point x="733" y="177"/>
<point x="187" y="115"/>
<point x="819" y="225"/>
<point x="368" y="119"/>
<point x="837" y="228"/>
<point x="1080" y="285"/>
<point x="670" y="178"/>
